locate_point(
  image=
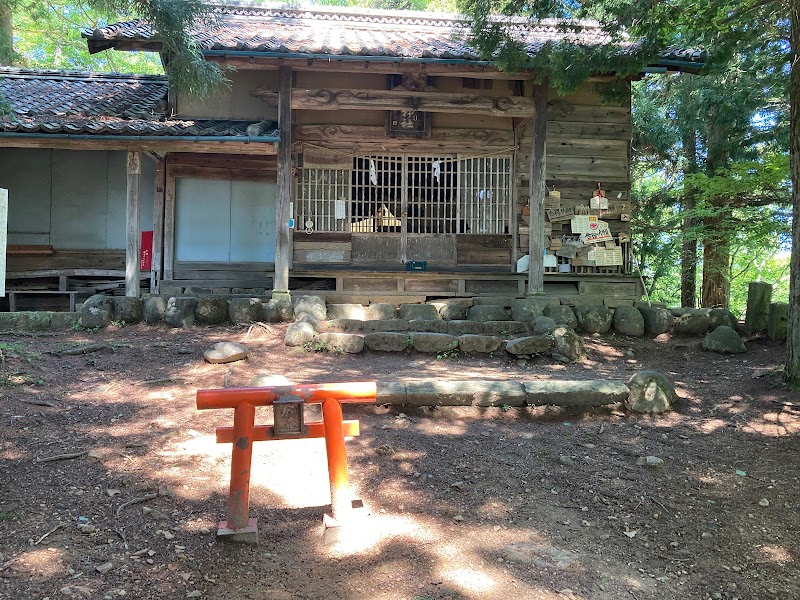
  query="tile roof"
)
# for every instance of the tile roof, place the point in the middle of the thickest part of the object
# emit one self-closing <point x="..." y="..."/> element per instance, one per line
<point x="77" y="102"/>
<point x="338" y="31"/>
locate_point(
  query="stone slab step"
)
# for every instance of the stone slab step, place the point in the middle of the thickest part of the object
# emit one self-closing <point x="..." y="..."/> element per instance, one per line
<point x="500" y="393"/>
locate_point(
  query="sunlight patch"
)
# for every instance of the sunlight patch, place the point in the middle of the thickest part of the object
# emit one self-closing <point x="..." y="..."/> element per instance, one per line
<point x="368" y="532"/>
<point x="777" y="554"/>
<point x="43" y="562"/>
<point x="470" y="580"/>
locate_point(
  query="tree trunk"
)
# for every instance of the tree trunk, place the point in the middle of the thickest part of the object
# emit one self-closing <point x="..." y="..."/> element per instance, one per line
<point x="689" y="246"/>
<point x="716" y="260"/>
<point x="6" y="34"/>
<point x="793" y="341"/>
<point x="716" y="242"/>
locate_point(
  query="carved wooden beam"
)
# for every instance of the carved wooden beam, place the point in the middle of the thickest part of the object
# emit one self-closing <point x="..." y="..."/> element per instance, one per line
<point x="457" y="138"/>
<point x="337" y="99"/>
<point x="368" y="67"/>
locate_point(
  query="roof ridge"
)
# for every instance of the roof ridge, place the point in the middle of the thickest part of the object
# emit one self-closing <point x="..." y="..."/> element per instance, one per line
<point x="29" y="73"/>
<point x="375" y="15"/>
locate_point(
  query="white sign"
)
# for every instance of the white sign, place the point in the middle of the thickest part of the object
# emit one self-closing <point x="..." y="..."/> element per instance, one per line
<point x="601" y="233"/>
<point x="3" y="238"/>
<point x="598" y="203"/>
<point x="583" y="223"/>
<point x="608" y="257"/>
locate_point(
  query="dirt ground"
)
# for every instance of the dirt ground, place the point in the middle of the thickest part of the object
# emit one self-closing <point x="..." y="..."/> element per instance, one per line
<point x="467" y="503"/>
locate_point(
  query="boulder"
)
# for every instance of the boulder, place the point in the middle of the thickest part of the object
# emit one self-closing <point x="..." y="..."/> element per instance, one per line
<point x="693" y="321"/>
<point x="299" y="333"/>
<point x="464" y="327"/>
<point x="245" y="310"/>
<point x="347" y="343"/>
<point x="347" y="311"/>
<point x="153" y="309"/>
<point x="505" y="301"/>
<point x="278" y="309"/>
<point x="722" y="316"/>
<point x="434" y="326"/>
<point x="505" y="329"/>
<point x="225" y="352"/>
<point x="96" y="311"/>
<point x="528" y="345"/>
<point x="650" y="392"/>
<point x="480" y="344"/>
<point x="567" y="344"/>
<point x="688" y="310"/>
<point x="488" y="312"/>
<point x="211" y="311"/>
<point x="311" y="320"/>
<point x="268" y="380"/>
<point x="418" y="312"/>
<point x="387" y="341"/>
<point x="452" y="311"/>
<point x="527" y="309"/>
<point x="127" y="310"/>
<point x="628" y="321"/>
<point x="180" y="311"/>
<point x="433" y="342"/>
<point x="347" y="325"/>
<point x="312" y="305"/>
<point x="594" y="318"/>
<point x="381" y="311"/>
<point x="561" y="314"/>
<point x="574" y="393"/>
<point x="724" y="340"/>
<point x="656" y="320"/>
<point x="387" y="325"/>
<point x="544" y="325"/>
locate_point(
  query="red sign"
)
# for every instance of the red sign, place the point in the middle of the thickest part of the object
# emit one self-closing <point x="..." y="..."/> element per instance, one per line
<point x="146" y="252"/>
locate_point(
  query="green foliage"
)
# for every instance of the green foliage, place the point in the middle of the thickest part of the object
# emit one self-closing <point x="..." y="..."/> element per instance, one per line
<point x="47" y="35"/>
<point x="315" y="346"/>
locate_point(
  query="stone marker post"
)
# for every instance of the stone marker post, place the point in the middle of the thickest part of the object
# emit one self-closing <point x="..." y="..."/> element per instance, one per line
<point x="778" y="321"/>
<point x="759" y="296"/>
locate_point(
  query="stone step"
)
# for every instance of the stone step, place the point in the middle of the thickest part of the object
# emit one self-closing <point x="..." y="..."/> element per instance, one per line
<point x="498" y="328"/>
<point x="502" y="393"/>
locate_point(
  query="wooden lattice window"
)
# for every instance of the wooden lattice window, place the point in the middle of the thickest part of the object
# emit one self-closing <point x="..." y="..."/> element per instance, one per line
<point x="408" y="193"/>
<point x="484" y="200"/>
<point x="322" y="199"/>
<point x="377" y="194"/>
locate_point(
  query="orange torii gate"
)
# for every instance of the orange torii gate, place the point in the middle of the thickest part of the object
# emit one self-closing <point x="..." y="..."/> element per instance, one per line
<point x="287" y="402"/>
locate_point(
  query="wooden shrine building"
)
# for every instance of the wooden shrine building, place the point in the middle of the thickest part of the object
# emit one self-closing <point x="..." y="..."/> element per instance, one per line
<point x="357" y="153"/>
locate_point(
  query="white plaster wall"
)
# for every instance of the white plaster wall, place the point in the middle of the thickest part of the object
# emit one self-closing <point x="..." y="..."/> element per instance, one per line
<point x="71" y="199"/>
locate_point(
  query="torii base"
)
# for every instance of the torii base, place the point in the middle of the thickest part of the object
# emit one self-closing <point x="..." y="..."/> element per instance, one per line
<point x="339" y="530"/>
<point x="245" y="535"/>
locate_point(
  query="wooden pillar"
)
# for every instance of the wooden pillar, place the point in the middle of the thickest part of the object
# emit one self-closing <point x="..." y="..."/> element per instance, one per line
<point x="158" y="227"/>
<point x="538" y="188"/>
<point x="283" y="238"/>
<point x="133" y="235"/>
<point x="169" y="223"/>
